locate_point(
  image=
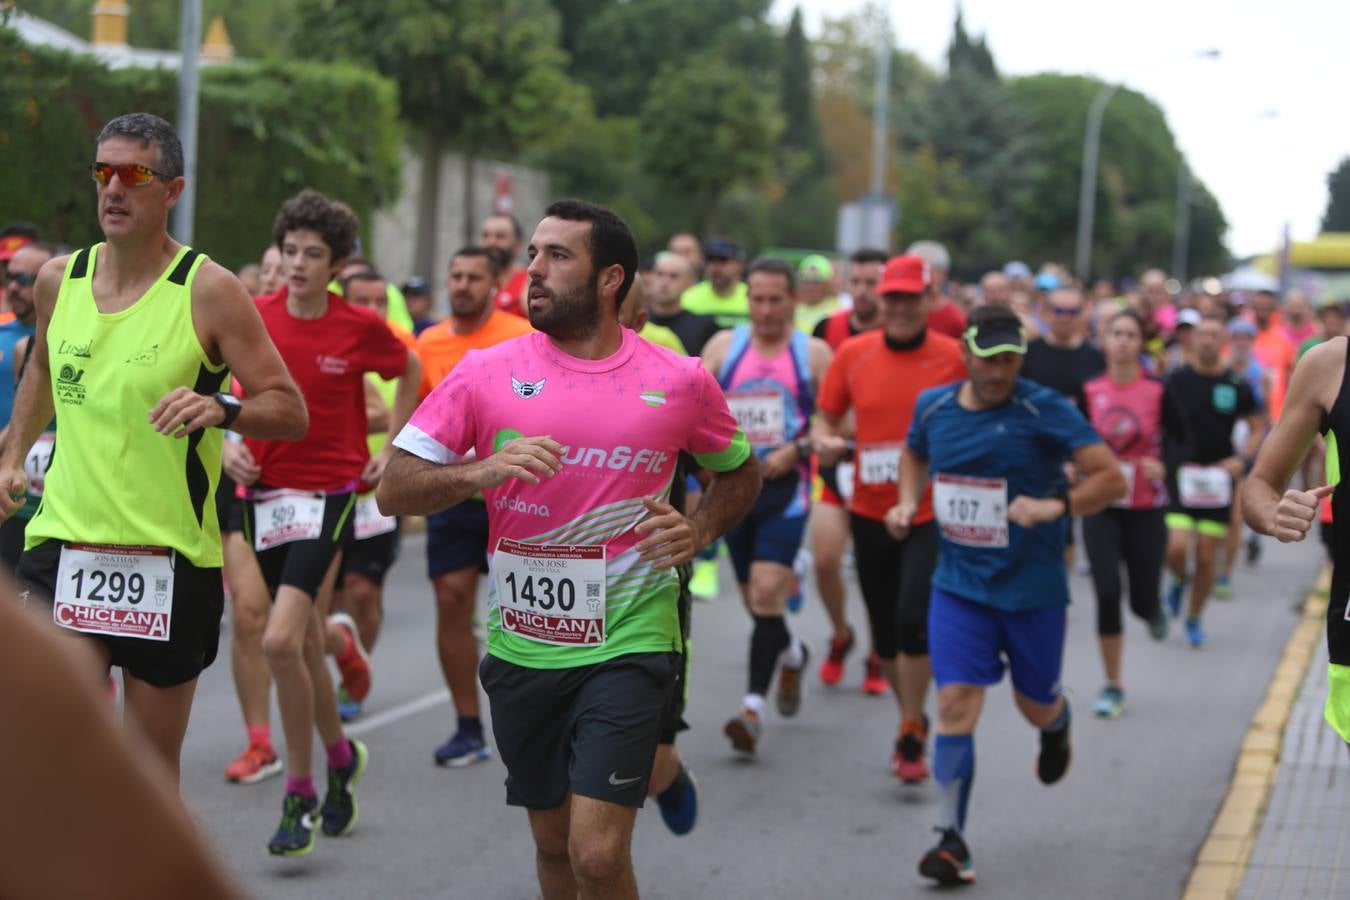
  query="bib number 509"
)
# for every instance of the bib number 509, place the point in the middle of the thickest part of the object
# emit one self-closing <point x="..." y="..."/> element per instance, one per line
<point x="561" y="593"/>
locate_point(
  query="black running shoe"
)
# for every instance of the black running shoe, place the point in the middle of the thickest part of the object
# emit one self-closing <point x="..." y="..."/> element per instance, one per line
<point x="1056" y="752"/>
<point x="950" y="861"/>
<point x="339" y="804"/>
<point x="295" y="834"/>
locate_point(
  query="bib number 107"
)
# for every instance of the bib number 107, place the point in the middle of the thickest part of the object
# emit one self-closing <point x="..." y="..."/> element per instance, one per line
<point x="113" y="587"/>
<point x="561" y="593"/>
<point x="962" y="509"/>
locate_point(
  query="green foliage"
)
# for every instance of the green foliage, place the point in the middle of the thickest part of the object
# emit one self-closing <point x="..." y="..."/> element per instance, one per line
<point x="485" y="75"/>
<point x="266" y="132"/>
<point x="704" y="129"/>
<point x="258" y="28"/>
<point x="1337" y="216"/>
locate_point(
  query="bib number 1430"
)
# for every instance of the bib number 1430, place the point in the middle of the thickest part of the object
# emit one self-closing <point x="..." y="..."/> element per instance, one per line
<point x="551" y="593"/>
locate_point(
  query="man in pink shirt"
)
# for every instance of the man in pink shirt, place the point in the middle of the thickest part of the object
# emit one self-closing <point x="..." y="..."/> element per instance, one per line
<point x="572" y="435"/>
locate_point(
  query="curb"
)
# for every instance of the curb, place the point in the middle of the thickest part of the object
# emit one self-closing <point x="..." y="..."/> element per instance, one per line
<point x="1222" y="862"/>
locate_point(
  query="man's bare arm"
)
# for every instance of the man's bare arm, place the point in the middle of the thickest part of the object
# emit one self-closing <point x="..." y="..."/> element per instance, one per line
<point x="727" y="499"/>
<point x="413" y="486"/>
<point x="33" y="405"/>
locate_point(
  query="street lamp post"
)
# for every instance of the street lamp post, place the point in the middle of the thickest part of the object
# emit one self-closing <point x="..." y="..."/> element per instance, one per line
<point x="190" y="30"/>
<point x="1087" y="189"/>
<point x="1181" y="242"/>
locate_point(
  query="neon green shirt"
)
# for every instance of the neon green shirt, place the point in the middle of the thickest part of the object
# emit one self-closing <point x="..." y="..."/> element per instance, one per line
<point x="727" y="311"/>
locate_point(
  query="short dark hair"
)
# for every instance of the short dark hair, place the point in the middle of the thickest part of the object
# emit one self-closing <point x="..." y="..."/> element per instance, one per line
<point x="992" y="312"/>
<point x="611" y="242"/>
<point x="516" y="228"/>
<point x="148" y="128"/>
<point x="774" y="266"/>
<point x="363" y="275"/>
<point x="22" y="229"/>
<point x="491" y="254"/>
<point x="1127" y="313"/>
<point x="869" y="255"/>
<point x="332" y="219"/>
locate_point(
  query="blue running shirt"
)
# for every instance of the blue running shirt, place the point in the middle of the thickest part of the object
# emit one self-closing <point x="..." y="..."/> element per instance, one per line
<point x="971" y="456"/>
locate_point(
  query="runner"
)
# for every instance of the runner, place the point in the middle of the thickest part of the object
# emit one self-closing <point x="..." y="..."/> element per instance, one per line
<point x="672" y="783"/>
<point x="829" y="516"/>
<point x="140" y="326"/>
<point x="816" y="298"/>
<point x="688" y="245"/>
<point x="672" y="276"/>
<point x="358" y="598"/>
<point x="502" y="232"/>
<point x="723" y="296"/>
<point x="769" y="372"/>
<point x="579" y="664"/>
<point x="1318" y="401"/>
<point x="994" y="447"/>
<point x="20" y="277"/>
<point x="1242" y="360"/>
<point x="1130" y="411"/>
<point x="299" y="512"/>
<point x="1202" y="466"/>
<point x="457" y="537"/>
<point x="879" y="376"/>
<point x="417" y="297"/>
<point x="944" y="316"/>
<point x="271" y="273"/>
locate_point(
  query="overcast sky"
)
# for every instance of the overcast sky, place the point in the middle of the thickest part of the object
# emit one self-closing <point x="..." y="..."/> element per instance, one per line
<point x="1262" y="125"/>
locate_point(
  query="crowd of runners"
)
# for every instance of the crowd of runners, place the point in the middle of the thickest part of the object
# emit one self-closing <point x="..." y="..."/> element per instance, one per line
<point x="590" y="431"/>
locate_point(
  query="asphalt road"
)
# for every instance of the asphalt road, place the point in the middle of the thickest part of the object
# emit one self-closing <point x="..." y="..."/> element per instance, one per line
<point x="817" y="814"/>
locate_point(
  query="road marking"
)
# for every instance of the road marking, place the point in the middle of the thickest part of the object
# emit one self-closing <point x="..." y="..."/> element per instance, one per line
<point x="402" y="711"/>
<point x="1221" y="865"/>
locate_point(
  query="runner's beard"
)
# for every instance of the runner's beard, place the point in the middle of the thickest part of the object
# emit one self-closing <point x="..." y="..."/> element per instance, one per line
<point x="572" y="315"/>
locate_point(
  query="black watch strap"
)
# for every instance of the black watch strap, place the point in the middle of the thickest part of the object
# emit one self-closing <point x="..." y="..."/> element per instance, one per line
<point x="231" y="405"/>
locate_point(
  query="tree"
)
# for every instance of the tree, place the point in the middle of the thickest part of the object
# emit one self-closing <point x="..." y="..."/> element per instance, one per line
<point x="705" y="128"/>
<point x="1337" y="216"/>
<point x="806" y="212"/>
<point x="481" y="76"/>
<point x="258" y="28"/>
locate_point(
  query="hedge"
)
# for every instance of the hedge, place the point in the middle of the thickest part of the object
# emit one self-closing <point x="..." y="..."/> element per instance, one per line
<point x="266" y="131"/>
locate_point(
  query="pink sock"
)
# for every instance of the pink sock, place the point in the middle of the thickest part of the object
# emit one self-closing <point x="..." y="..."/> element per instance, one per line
<point x="340" y="755"/>
<point x="260" y="735"/>
<point x="303" y="786"/>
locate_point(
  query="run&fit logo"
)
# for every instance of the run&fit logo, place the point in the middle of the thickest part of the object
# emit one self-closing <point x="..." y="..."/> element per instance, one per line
<point x="516" y="505"/>
<point x="617" y="459"/>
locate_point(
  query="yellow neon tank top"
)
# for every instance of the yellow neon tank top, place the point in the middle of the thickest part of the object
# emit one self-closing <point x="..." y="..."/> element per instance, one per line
<point x="115" y="480"/>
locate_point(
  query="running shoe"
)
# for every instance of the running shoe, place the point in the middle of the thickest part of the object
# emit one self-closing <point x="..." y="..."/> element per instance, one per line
<point x="348" y="709"/>
<point x="352" y="660"/>
<point x="907" y="763"/>
<point x="295" y="834"/>
<point x="703" y="584"/>
<point x="1110" y="703"/>
<point x="832" y="669"/>
<point x="253" y="765"/>
<point x="462" y="749"/>
<point x="950" y="861"/>
<point x="1223" y="588"/>
<point x="679" y="803"/>
<point x="744" y="730"/>
<point x="1195" y="633"/>
<point x="1056" y="751"/>
<point x="1159" y="625"/>
<point x="874" y="680"/>
<point x="1173" y="598"/>
<point x="792" y="684"/>
<point x="339" y="805"/>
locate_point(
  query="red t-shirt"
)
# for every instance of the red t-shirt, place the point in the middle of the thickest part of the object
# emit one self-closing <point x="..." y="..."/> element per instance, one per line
<point x="1129" y="417"/>
<point x="511" y="296"/>
<point x="881" y="386"/>
<point x="328" y="357"/>
<point x="947" y="319"/>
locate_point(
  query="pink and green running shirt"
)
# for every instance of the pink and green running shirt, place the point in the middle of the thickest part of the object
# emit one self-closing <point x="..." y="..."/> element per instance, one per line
<point x="623" y="421"/>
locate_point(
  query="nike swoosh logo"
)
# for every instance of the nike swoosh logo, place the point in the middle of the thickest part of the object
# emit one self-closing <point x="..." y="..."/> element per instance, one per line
<point x="615" y="780"/>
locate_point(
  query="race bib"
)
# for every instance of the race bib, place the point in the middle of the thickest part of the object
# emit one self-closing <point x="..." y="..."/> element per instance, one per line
<point x="970" y="511"/>
<point x="284" y="516"/>
<point x="1204" y="487"/>
<point x="369" y="521"/>
<point x="551" y="593"/>
<point x="879" y="464"/>
<point x="115" y="591"/>
<point x="760" y="415"/>
<point x="38" y="461"/>
<point x="844" y="476"/>
<point x="1127" y="468"/>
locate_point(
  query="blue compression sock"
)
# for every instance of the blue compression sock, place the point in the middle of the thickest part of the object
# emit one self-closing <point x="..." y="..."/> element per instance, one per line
<point x="954" y="771"/>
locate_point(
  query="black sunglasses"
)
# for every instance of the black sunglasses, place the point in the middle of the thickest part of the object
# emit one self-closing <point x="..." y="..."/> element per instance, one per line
<point x="22" y="279"/>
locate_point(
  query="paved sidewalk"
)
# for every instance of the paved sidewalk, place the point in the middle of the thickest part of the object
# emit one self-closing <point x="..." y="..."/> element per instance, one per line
<point x="1303" y="847"/>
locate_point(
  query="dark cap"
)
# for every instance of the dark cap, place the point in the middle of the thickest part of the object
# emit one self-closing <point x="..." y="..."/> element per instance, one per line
<point x="1001" y="335"/>
<point x="416" y="285"/>
<point x="719" y="248"/>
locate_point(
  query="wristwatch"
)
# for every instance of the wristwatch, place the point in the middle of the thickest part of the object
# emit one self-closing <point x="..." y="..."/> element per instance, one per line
<point x="231" y="405"/>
